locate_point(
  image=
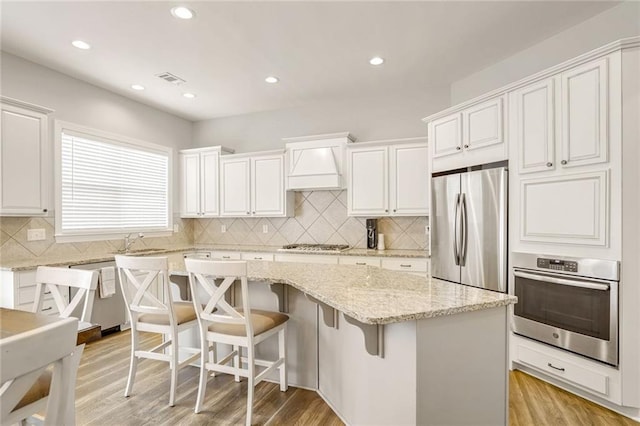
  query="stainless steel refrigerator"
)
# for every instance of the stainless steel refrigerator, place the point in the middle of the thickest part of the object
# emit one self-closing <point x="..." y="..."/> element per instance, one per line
<point x="469" y="228"/>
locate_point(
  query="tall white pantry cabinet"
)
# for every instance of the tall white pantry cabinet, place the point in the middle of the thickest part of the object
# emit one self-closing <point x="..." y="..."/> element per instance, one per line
<point x="571" y="134"/>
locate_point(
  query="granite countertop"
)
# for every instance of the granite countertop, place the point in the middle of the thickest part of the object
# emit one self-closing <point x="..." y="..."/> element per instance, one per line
<point x="372" y="295"/>
<point x="28" y="264"/>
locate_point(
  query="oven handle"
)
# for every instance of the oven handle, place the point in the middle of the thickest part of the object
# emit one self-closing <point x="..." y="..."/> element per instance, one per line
<point x="562" y="281"/>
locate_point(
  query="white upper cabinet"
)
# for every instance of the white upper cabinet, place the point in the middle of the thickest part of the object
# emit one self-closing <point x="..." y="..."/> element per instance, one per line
<point x="368" y="181"/>
<point x="388" y="179"/>
<point x="469" y="136"/>
<point x="533" y="126"/>
<point x="199" y="182"/>
<point x="585" y="98"/>
<point x="24" y="159"/>
<point x="254" y="186"/>
<point x="562" y="122"/>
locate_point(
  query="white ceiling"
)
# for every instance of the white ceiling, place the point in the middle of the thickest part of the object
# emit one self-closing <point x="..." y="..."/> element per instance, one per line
<point x="319" y="50"/>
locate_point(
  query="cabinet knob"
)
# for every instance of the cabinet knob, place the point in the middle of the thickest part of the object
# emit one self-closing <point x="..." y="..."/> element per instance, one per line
<point x="248" y="212"/>
<point x="466" y="146"/>
<point x="394" y="210"/>
<point x="254" y="212"/>
<point x="458" y="148"/>
<point x="549" y="164"/>
<point x="44" y="210"/>
<point x="386" y="210"/>
<point x="563" y="162"/>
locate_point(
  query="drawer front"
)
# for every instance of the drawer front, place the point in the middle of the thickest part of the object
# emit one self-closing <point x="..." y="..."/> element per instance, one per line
<point x="26" y="278"/>
<point x="360" y="260"/>
<point x="48" y="307"/>
<point x="407" y="265"/>
<point x="257" y="256"/>
<point x="565" y="370"/>
<point x="28" y="295"/>
<point x="225" y="255"/>
<point x="307" y="258"/>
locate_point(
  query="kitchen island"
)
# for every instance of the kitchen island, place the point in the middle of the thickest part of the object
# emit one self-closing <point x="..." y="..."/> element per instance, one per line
<point x="394" y="348"/>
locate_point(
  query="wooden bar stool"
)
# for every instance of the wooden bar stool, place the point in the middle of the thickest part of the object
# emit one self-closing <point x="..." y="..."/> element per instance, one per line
<point x="237" y="326"/>
<point x="138" y="276"/>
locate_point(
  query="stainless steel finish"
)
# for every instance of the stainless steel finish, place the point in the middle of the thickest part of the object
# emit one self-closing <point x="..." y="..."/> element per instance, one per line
<point x="562" y="281"/>
<point x="315" y="248"/>
<point x="444" y="199"/>
<point x="592" y="274"/>
<point x="128" y="242"/>
<point x="608" y="270"/>
<point x="464" y="226"/>
<point x="549" y="164"/>
<point x="554" y="367"/>
<point x="484" y="248"/>
<point x="564" y="162"/>
<point x="456" y="232"/>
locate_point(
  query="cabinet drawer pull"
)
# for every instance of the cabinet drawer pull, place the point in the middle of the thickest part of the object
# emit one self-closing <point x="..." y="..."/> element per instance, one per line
<point x="563" y="162"/>
<point x="405" y="265"/>
<point x="458" y="148"/>
<point x="226" y="257"/>
<point x="466" y="146"/>
<point x="47" y="309"/>
<point x="44" y="210"/>
<point x="257" y="258"/>
<point x="554" y="367"/>
<point x="549" y="164"/>
<point x="47" y="292"/>
<point x="361" y="263"/>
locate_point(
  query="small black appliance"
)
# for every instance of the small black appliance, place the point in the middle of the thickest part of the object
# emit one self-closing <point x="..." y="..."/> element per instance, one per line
<point x="372" y="233"/>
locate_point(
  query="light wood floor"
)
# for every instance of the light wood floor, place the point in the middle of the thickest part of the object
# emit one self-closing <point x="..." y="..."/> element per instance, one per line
<point x="104" y="368"/>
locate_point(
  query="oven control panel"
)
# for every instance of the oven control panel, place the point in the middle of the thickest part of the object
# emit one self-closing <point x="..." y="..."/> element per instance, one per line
<point x="558" y="265"/>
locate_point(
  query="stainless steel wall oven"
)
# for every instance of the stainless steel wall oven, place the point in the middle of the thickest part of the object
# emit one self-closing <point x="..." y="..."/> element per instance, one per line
<point x="567" y="302"/>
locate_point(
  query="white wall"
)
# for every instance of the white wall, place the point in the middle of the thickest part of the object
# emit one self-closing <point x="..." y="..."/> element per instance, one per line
<point x="382" y="117"/>
<point x="82" y="103"/>
<point x="618" y="22"/>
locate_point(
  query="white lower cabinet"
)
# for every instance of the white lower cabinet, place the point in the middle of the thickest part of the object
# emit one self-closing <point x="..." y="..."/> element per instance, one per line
<point x="18" y="291"/>
<point x="591" y="376"/>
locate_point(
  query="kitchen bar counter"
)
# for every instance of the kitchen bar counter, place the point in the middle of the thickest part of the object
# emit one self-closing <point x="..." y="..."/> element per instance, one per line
<point x="79" y="259"/>
<point x="370" y="294"/>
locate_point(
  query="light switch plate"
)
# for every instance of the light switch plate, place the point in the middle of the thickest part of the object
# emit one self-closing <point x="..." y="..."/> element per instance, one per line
<point x="37" y="234"/>
<point x="175" y="228"/>
<point x="223" y="228"/>
<point x="265" y="229"/>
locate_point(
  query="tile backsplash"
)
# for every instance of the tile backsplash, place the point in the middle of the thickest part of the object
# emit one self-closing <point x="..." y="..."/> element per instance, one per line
<point x="320" y="217"/>
<point x="14" y="244"/>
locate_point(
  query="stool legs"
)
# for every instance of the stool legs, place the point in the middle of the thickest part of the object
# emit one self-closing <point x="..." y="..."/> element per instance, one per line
<point x="134" y="361"/>
<point x="282" y="354"/>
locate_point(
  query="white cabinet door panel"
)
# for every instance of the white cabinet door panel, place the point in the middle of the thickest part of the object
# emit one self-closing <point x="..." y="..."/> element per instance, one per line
<point x="267" y="174"/>
<point x="585" y="114"/>
<point x="409" y="180"/>
<point x="445" y="134"/>
<point x="483" y="125"/>
<point x="368" y="176"/>
<point x="190" y="194"/>
<point x="534" y="126"/>
<point x="23" y="148"/>
<point x="209" y="189"/>
<point x="235" y="187"/>
<point x="570" y="209"/>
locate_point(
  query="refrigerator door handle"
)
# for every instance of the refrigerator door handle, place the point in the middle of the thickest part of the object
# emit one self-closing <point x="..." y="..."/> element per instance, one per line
<point x="464" y="230"/>
<point x="456" y="254"/>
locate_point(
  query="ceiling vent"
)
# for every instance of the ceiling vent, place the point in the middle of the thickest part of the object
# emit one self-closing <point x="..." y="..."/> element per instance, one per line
<point x="171" y="78"/>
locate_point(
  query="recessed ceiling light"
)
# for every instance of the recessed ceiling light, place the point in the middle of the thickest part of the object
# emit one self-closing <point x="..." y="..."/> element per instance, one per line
<point x="182" y="12"/>
<point x="189" y="95"/>
<point x="81" y="44"/>
<point x="272" y="79"/>
<point x="376" y="60"/>
<point x="137" y="87"/>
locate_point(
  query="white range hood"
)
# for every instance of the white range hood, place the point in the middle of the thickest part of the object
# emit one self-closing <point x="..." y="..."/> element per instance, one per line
<point x="316" y="162"/>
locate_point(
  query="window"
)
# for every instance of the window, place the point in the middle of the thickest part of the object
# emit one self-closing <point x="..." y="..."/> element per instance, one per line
<point x="109" y="185"/>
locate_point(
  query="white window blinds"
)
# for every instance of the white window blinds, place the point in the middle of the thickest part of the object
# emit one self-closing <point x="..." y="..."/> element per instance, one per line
<point x="108" y="186"/>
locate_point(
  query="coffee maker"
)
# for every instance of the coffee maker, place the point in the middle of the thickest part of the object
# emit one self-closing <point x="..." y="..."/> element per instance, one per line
<point x="372" y="233"/>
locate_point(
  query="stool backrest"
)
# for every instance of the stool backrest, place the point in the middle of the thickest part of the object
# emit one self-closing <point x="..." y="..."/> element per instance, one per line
<point x="208" y="294"/>
<point x="137" y="275"/>
<point x="57" y="281"/>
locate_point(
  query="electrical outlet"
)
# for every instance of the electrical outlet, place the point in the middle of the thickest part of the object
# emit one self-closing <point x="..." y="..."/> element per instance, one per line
<point x="175" y="228"/>
<point x="265" y="229"/>
<point x="223" y="228"/>
<point x="37" y="234"/>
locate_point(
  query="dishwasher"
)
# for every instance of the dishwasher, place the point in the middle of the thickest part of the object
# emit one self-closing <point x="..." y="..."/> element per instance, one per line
<point x="110" y="313"/>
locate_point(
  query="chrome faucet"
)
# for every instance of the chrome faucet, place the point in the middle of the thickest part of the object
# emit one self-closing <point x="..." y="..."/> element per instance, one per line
<point x="128" y="242"/>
